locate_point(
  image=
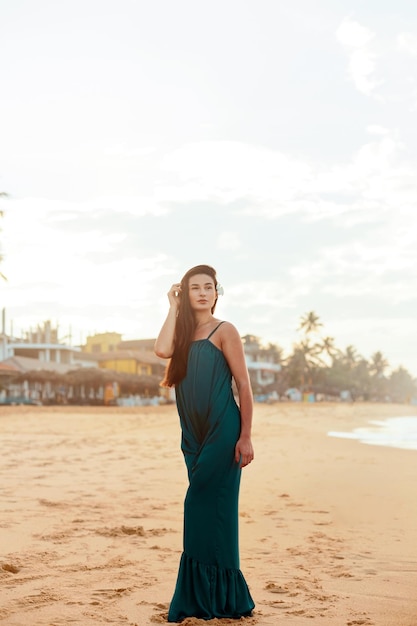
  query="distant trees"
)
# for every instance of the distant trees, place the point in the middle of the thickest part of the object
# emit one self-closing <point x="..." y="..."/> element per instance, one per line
<point x="316" y="364"/>
<point x="310" y="323"/>
<point x="401" y="385"/>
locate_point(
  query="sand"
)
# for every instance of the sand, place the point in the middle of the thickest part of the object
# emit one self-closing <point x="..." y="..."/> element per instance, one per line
<point x="91" y="518"/>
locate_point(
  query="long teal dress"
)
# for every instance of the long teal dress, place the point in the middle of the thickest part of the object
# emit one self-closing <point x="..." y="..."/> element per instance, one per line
<point x="210" y="583"/>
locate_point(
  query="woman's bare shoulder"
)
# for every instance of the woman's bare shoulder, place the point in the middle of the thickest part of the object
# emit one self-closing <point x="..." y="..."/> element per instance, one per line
<point x="228" y="326"/>
<point x="228" y="331"/>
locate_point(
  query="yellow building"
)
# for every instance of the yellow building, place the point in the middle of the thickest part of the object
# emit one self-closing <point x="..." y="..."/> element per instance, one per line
<point x="135" y="357"/>
<point x="139" y="362"/>
<point x="102" y="343"/>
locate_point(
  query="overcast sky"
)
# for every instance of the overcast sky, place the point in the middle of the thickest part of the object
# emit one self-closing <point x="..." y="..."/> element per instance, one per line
<point x="276" y="141"/>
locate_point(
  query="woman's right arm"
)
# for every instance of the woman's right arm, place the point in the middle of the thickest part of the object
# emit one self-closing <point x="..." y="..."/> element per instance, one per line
<point x="164" y="344"/>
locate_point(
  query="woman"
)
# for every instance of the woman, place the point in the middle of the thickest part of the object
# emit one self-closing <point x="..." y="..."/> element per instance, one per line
<point x="205" y="353"/>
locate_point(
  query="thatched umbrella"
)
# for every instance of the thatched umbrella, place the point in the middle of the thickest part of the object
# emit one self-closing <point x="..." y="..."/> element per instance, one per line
<point x="128" y="383"/>
<point x="46" y="384"/>
<point x="140" y="384"/>
<point x="91" y="376"/>
<point x="40" y="376"/>
<point x="89" y="382"/>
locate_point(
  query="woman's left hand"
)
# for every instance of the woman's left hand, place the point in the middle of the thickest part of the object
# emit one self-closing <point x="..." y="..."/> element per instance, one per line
<point x="244" y="452"/>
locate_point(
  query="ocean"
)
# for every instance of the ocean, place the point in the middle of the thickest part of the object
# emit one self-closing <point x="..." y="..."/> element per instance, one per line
<point x="395" y="432"/>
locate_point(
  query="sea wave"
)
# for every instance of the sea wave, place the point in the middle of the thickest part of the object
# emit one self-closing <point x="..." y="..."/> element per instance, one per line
<point x="394" y="432"/>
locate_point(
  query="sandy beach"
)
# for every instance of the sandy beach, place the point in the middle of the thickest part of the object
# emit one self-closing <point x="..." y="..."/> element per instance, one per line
<point x="91" y="517"/>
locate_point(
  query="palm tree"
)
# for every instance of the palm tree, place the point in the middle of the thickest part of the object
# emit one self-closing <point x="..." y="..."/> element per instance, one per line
<point x="350" y="356"/>
<point x="326" y="346"/>
<point x="378" y="364"/>
<point x="276" y="352"/>
<point x="310" y="323"/>
<point x="361" y="378"/>
<point x="296" y="368"/>
<point x="302" y="364"/>
<point x="402" y="386"/>
<point x="379" y="384"/>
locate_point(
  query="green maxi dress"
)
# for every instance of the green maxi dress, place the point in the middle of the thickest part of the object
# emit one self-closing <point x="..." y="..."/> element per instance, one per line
<point x="210" y="583"/>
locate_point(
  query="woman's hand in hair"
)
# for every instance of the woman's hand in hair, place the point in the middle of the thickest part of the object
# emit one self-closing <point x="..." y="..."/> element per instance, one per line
<point x="164" y="344"/>
<point x="174" y="295"/>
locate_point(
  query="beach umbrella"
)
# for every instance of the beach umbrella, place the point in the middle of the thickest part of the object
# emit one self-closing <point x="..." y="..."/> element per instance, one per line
<point x="140" y="384"/>
<point x="92" y="376"/>
<point x="40" y="376"/>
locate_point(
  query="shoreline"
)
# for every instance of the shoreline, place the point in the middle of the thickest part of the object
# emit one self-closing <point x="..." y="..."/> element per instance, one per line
<point x="91" y="527"/>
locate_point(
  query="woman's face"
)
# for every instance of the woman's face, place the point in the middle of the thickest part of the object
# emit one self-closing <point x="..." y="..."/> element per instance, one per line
<point x="202" y="292"/>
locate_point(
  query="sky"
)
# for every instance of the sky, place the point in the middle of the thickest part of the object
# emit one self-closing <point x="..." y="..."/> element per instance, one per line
<point x="274" y="141"/>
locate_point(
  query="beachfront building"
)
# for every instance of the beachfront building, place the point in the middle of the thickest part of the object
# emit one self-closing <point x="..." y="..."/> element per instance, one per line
<point x="44" y="363"/>
<point x="101" y="343"/>
<point x="134" y="358"/>
<point x="140" y="362"/>
<point x="34" y="364"/>
<point x="263" y="366"/>
<point x="39" y="367"/>
<point x="42" y="348"/>
<point x="129" y="357"/>
<point x="40" y="344"/>
<point x="7" y="373"/>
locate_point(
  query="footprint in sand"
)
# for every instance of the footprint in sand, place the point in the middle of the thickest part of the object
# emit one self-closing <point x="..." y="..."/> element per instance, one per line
<point x="295" y="505"/>
<point x="138" y="531"/>
<point x="274" y="588"/>
<point x="37" y="600"/>
<point x="159" y="618"/>
<point x="121" y="531"/>
<point x="9" y="567"/>
<point x="339" y="572"/>
<point x="279" y="604"/>
<point x="109" y="594"/>
<point x="51" y="503"/>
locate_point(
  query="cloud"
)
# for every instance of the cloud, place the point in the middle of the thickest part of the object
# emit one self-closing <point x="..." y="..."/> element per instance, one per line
<point x="122" y="150"/>
<point x="375" y="129"/>
<point x="90" y="272"/>
<point x="407" y="42"/>
<point x="382" y="267"/>
<point x="388" y="335"/>
<point x="378" y="178"/>
<point x="353" y="34"/>
<point x="229" y="240"/>
<point x="226" y="171"/>
<point x="357" y="40"/>
<point x="112" y="296"/>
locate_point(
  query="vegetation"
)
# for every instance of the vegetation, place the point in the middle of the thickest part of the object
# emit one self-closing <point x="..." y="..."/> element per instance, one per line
<point x="317" y="365"/>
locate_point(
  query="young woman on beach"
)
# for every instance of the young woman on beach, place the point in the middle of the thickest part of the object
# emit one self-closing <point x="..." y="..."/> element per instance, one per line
<point x="205" y="354"/>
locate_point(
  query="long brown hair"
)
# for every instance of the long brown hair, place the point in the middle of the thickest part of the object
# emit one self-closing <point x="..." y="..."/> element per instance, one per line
<point x="185" y="328"/>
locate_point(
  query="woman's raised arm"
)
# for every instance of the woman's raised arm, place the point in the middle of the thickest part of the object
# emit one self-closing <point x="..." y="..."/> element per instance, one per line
<point x="164" y="344"/>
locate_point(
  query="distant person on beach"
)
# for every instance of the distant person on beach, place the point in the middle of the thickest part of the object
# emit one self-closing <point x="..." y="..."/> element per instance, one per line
<point x="205" y="354"/>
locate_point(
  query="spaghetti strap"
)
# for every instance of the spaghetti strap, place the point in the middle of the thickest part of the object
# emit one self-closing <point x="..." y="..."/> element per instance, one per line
<point x="214" y="330"/>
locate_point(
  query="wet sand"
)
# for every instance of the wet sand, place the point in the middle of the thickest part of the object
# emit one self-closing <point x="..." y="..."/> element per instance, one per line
<point x="91" y="517"/>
